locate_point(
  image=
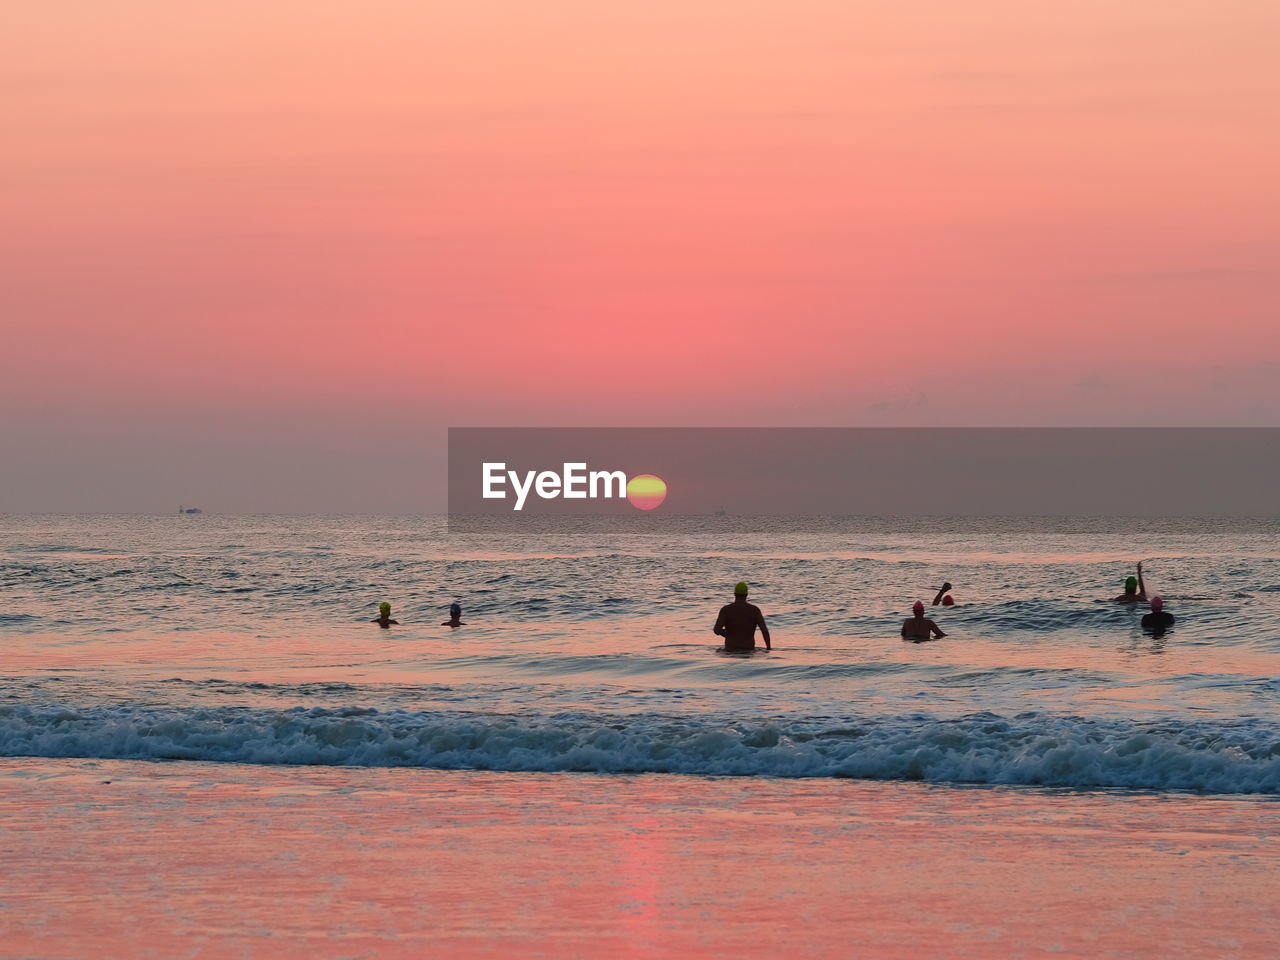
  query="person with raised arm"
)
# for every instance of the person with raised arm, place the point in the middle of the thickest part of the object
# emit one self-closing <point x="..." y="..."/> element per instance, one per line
<point x="1135" y="591"/>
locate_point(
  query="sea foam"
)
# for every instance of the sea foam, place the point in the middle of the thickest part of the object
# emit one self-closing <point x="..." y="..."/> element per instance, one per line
<point x="1238" y="757"/>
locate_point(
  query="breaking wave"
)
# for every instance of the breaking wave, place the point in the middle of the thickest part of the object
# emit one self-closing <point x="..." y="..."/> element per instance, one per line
<point x="1241" y="757"/>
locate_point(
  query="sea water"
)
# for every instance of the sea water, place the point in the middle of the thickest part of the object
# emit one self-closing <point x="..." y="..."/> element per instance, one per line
<point x="239" y="652"/>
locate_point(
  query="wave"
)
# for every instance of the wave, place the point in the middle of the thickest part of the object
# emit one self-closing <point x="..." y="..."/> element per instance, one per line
<point x="1030" y="749"/>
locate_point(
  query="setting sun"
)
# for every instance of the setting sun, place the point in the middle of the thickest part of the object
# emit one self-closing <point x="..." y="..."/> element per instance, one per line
<point x="646" y="491"/>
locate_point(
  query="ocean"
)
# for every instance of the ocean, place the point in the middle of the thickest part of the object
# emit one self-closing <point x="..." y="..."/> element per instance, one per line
<point x="587" y="774"/>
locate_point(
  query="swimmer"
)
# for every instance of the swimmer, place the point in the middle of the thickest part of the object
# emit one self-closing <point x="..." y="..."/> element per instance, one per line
<point x="943" y="597"/>
<point x="455" y="616"/>
<point x="384" y="616"/>
<point x="917" y="628"/>
<point x="1158" y="620"/>
<point x="738" y="621"/>
<point x="1135" y="591"/>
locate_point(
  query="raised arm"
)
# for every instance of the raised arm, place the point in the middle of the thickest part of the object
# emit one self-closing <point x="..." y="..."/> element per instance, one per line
<point x="1142" y="587"/>
<point x="942" y="592"/>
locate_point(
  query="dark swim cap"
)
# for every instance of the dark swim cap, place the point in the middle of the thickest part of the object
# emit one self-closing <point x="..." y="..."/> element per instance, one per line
<point x="1131" y="584"/>
<point x="455" y="610"/>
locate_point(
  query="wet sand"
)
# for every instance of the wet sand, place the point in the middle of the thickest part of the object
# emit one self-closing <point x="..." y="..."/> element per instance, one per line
<point x="164" y="859"/>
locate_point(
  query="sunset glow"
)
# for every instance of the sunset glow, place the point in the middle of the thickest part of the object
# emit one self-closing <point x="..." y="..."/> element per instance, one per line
<point x="326" y="223"/>
<point x="341" y="619"/>
<point x="646" y="491"/>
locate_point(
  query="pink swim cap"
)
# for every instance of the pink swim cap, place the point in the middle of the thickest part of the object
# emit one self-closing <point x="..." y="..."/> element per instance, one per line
<point x="917" y="607"/>
<point x="1157" y="604"/>
<point x="947" y="601"/>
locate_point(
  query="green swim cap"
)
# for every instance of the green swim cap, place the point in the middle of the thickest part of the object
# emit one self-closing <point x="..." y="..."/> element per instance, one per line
<point x="1131" y="583"/>
<point x="741" y="589"/>
<point x="384" y="608"/>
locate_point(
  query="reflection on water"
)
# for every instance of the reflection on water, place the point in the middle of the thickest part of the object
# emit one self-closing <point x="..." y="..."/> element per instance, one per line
<point x="592" y="649"/>
<point x="131" y="859"/>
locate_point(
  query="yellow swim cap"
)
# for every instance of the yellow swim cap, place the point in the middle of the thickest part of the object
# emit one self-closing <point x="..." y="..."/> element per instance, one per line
<point x="741" y="589"/>
<point x="384" y="608"/>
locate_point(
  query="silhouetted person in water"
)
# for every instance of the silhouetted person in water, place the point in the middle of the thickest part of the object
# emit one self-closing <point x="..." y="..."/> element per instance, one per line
<point x="942" y="598"/>
<point x="455" y="616"/>
<point x="738" y="621"/>
<point x="917" y="628"/>
<point x="1135" y="591"/>
<point x="1158" y="620"/>
<point x="383" y="619"/>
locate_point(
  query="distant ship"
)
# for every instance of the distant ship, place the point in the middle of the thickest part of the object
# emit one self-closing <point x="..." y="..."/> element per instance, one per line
<point x="182" y="509"/>
<point x="720" y="512"/>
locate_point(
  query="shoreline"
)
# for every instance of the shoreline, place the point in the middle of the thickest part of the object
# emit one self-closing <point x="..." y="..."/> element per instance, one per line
<point x="140" y="857"/>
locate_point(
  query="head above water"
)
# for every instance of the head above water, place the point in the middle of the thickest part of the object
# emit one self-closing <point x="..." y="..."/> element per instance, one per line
<point x="917" y="607"/>
<point x="740" y="589"/>
<point x="384" y="608"/>
<point x="455" y="610"/>
<point x="1157" y="604"/>
<point x="947" y="601"/>
<point x="1131" y="585"/>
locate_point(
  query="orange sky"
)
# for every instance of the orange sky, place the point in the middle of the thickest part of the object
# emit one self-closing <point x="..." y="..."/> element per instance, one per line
<point x="312" y="218"/>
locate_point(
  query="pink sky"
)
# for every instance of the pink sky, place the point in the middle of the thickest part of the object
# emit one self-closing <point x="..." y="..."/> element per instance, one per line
<point x="241" y="229"/>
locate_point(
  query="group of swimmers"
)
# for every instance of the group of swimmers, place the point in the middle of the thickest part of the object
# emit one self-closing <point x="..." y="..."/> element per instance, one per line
<point x="383" y="619"/>
<point x="1135" y="591"/>
<point x="739" y="620"/>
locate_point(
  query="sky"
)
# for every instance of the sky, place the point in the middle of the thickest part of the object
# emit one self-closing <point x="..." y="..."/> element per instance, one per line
<point x="258" y="257"/>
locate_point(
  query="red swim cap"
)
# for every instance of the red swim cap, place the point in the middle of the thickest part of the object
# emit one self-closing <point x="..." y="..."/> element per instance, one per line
<point x="917" y="607"/>
<point x="947" y="601"/>
<point x="1157" y="604"/>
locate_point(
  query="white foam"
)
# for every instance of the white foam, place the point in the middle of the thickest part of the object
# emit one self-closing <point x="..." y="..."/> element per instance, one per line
<point x="1032" y="749"/>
